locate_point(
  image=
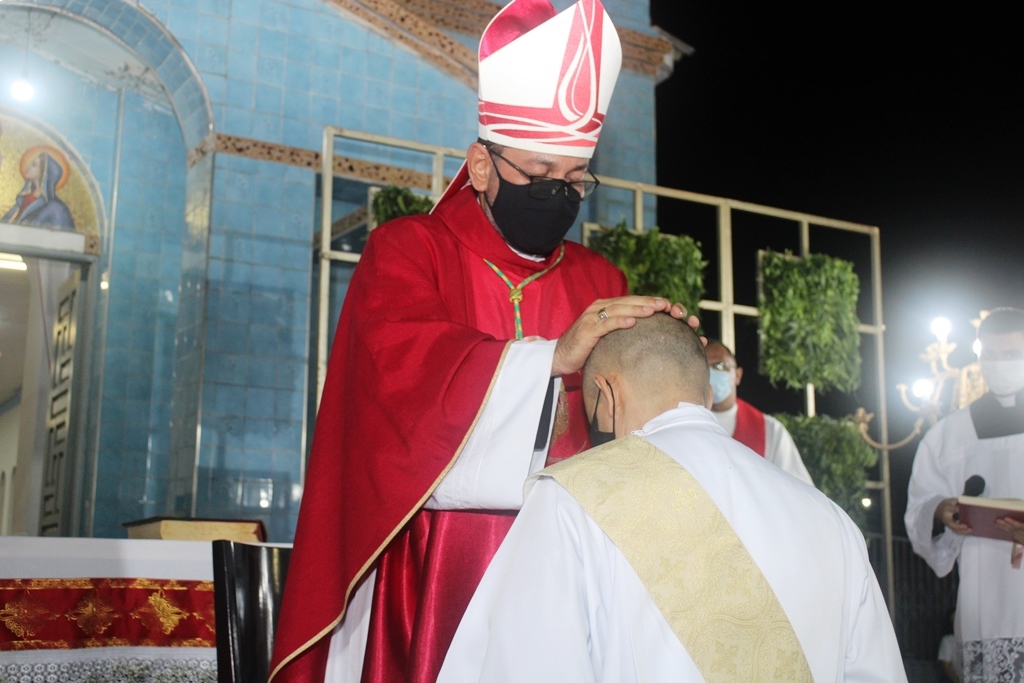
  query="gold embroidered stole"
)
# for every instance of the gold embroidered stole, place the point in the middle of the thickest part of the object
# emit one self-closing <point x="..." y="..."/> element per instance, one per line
<point x="695" y="568"/>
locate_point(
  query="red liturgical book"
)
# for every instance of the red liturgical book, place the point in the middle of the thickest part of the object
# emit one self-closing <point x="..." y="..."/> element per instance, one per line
<point x="981" y="514"/>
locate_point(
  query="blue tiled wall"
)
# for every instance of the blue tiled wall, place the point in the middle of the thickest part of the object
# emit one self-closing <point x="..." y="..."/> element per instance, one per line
<point x="190" y="339"/>
<point x="142" y="315"/>
<point x="626" y="149"/>
<point x="257" y="342"/>
<point x="155" y="46"/>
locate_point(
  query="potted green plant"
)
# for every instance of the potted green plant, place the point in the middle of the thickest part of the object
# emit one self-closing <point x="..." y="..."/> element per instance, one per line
<point x="393" y="202"/>
<point x="655" y="264"/>
<point x="836" y="457"/>
<point x="809" y="326"/>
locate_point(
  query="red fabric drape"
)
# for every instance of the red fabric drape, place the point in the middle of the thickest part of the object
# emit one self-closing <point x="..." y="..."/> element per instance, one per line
<point x="47" y="614"/>
<point x="750" y="427"/>
<point x="421" y="336"/>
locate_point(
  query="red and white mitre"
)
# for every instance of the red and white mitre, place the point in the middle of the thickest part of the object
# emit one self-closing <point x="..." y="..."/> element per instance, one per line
<point x="546" y="79"/>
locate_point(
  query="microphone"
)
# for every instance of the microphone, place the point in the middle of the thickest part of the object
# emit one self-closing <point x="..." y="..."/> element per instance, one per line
<point x="974" y="486"/>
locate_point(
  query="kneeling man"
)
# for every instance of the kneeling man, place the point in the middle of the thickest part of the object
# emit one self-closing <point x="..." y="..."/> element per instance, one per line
<point x="673" y="552"/>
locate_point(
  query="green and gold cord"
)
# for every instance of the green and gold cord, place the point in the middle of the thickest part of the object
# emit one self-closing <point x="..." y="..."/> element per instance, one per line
<point x="515" y="294"/>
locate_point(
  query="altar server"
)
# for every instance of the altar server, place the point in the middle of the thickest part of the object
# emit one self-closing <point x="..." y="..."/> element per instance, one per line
<point x="761" y="433"/>
<point x="984" y="440"/>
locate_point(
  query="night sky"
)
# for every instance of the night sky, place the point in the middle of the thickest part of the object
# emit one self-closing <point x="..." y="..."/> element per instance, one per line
<point x="913" y="122"/>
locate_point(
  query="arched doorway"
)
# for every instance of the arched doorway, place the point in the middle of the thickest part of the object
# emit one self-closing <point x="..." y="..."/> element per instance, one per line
<point x="118" y="90"/>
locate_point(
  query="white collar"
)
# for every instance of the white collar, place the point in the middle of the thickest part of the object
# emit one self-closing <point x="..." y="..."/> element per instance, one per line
<point x="528" y="257"/>
<point x="728" y="412"/>
<point x="1008" y="401"/>
<point x="682" y="413"/>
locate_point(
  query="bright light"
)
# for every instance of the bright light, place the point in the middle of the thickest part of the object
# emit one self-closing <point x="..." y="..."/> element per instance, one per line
<point x="976" y="347"/>
<point x="923" y="388"/>
<point x="104" y="284"/>
<point x="941" y="328"/>
<point x="22" y="90"/>
<point x="866" y="502"/>
<point x="12" y="262"/>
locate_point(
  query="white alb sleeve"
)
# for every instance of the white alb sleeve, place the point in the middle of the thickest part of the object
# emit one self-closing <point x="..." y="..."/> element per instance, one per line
<point x="499" y="454"/>
<point x="780" y="450"/>
<point x="930" y="484"/>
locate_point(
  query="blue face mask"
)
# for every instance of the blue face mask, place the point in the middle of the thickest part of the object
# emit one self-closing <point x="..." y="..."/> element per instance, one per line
<point x="721" y="385"/>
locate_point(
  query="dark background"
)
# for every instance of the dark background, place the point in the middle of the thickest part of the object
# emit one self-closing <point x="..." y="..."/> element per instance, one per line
<point x="909" y="121"/>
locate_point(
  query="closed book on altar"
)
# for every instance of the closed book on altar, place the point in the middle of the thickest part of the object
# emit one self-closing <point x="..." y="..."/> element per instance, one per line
<point x="183" y="529"/>
<point x="981" y="514"/>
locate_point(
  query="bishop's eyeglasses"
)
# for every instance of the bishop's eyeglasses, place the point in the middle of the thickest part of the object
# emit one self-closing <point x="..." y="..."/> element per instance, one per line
<point x="543" y="187"/>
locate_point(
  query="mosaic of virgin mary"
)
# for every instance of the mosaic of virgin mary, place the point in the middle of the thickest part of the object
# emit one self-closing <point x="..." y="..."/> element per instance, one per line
<point x="45" y="170"/>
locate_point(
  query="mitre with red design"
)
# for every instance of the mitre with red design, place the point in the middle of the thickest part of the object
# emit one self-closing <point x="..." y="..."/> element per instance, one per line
<point x="545" y="79"/>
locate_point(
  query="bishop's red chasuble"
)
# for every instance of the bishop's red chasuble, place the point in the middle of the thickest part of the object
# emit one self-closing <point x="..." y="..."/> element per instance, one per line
<point x="750" y="427"/>
<point x="422" y="336"/>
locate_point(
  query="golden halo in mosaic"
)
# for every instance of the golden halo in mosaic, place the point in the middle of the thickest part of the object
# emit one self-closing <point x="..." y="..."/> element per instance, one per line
<point x="32" y="152"/>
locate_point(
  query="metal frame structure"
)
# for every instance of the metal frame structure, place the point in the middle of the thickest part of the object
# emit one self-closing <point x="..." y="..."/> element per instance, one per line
<point x="327" y="254"/>
<point x="729" y="309"/>
<point x="726" y="306"/>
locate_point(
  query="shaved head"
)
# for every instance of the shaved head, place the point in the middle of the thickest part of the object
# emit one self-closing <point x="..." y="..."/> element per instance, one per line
<point x="659" y="356"/>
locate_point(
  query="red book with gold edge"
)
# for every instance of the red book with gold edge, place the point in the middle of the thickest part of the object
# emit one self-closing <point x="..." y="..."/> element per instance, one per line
<point x="981" y="514"/>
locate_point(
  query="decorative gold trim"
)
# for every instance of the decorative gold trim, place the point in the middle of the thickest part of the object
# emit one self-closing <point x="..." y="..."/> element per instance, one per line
<point x="25" y="618"/>
<point x="47" y="584"/>
<point x="159" y="612"/>
<point x="92" y="614"/>
<point x="417" y="33"/>
<point x="16" y="645"/>
<point x="373" y="557"/>
<point x="345" y="167"/>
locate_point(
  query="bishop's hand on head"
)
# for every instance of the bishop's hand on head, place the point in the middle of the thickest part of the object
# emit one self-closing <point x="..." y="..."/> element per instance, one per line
<point x="604" y="316"/>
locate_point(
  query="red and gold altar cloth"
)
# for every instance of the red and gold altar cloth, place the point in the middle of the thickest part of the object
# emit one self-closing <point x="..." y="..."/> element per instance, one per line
<point x="67" y="613"/>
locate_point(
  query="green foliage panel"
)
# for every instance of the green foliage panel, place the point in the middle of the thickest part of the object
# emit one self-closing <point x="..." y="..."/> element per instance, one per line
<point x="655" y="264"/>
<point x="809" y="322"/>
<point x="394" y="202"/>
<point x="836" y="457"/>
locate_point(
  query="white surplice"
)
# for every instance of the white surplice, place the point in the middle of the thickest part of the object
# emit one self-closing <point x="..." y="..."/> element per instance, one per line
<point x="779" y="447"/>
<point x="989" y="616"/>
<point x="560" y="602"/>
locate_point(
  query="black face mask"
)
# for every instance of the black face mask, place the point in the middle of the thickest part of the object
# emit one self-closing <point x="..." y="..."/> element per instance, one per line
<point x="533" y="226"/>
<point x="597" y="437"/>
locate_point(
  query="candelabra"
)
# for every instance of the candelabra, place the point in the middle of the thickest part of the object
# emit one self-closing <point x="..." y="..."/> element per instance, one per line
<point x="948" y="389"/>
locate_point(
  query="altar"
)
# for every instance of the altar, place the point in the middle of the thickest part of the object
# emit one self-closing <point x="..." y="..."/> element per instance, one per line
<point x="87" y="609"/>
